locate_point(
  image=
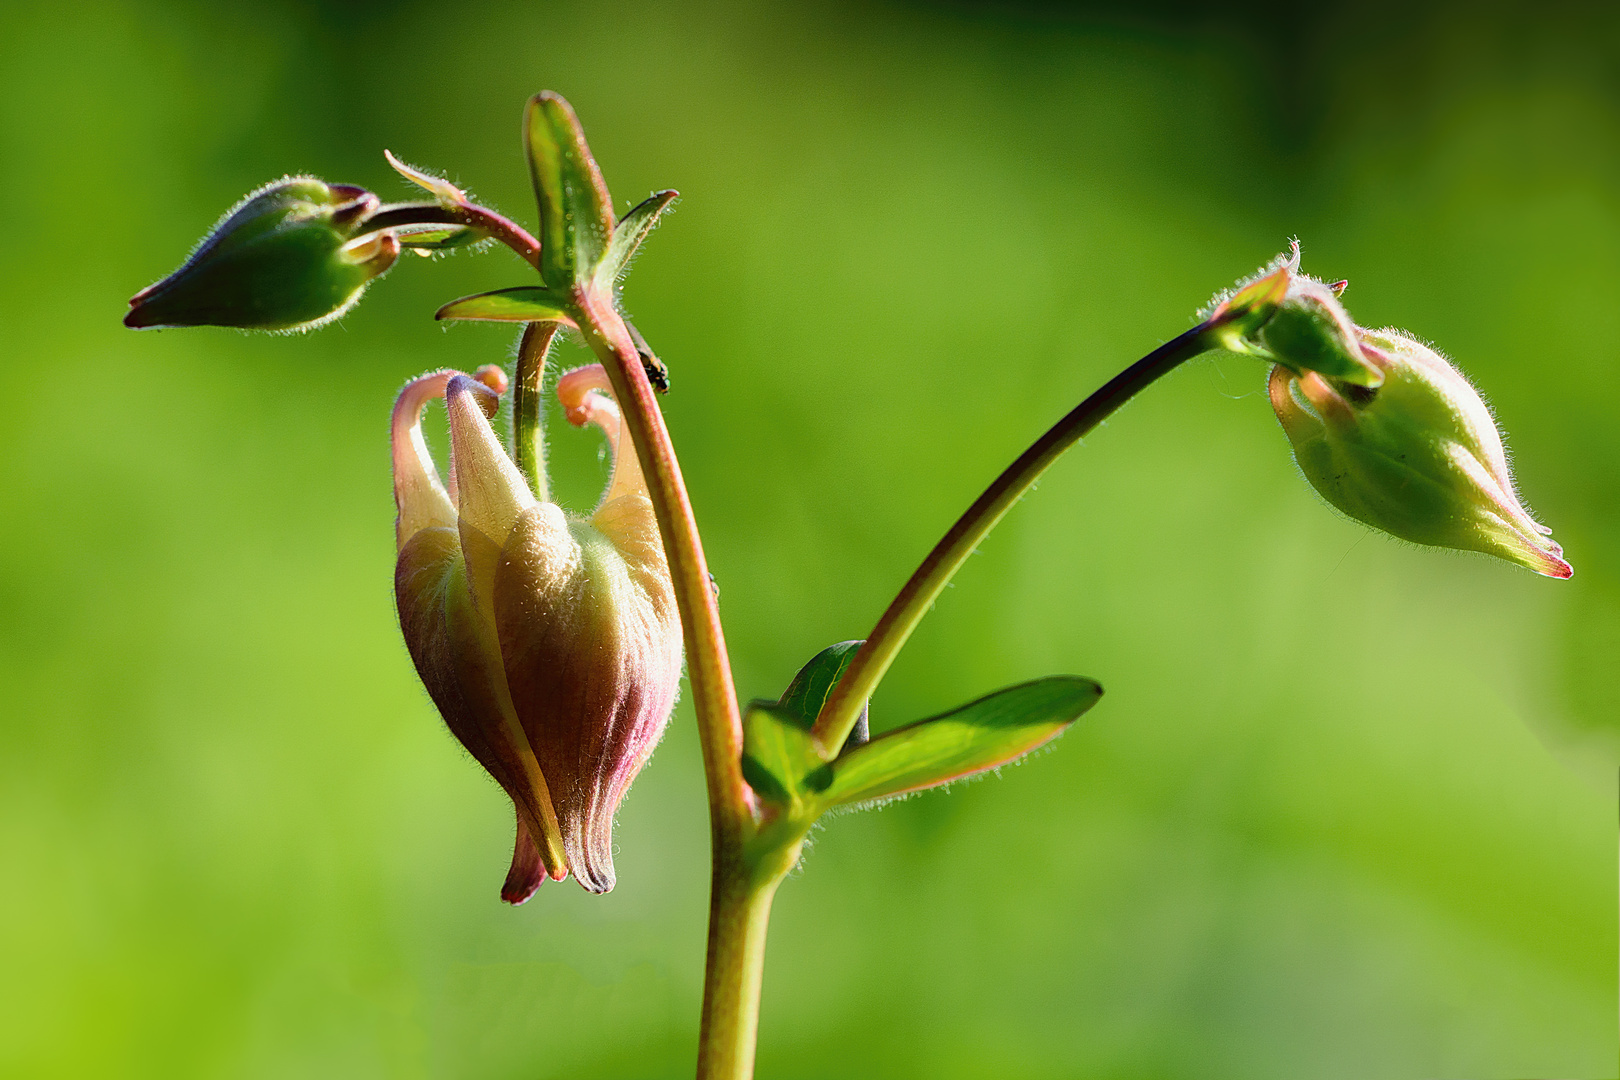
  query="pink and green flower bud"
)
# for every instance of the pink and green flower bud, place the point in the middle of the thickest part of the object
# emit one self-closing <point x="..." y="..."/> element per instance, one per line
<point x="550" y="644"/>
<point x="291" y="256"/>
<point x="1419" y="457"/>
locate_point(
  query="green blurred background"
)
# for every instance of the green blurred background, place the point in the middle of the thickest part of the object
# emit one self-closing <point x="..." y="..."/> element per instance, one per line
<point x="1348" y="809"/>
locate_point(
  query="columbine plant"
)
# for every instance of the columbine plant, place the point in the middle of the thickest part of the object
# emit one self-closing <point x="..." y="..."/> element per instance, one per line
<point x="552" y="645"/>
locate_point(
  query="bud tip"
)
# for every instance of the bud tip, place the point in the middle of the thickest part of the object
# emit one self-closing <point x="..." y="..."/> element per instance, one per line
<point x="492" y="376"/>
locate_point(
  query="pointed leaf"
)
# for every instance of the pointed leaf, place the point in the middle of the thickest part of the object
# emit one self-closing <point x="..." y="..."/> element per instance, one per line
<point x="576" y="218"/>
<point x="811" y="686"/>
<point x="979" y="736"/>
<point x="525" y="303"/>
<point x="777" y="753"/>
<point x="628" y="234"/>
<point x="809" y="689"/>
<point x="442" y="189"/>
<point x="437" y="237"/>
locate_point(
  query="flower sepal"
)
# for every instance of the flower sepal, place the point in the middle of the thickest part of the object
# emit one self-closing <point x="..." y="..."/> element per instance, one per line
<point x="1293" y="319"/>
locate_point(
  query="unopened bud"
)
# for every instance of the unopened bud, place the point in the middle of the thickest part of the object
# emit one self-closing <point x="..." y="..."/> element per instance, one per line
<point x="551" y="644"/>
<point x="292" y="255"/>
<point x="1418" y="457"/>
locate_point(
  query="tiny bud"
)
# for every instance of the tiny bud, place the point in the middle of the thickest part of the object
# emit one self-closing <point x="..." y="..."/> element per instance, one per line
<point x="492" y="376"/>
<point x="292" y="255"/>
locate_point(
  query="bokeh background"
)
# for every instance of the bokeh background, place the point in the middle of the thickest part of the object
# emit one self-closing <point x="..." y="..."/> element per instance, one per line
<point x="1348" y="809"/>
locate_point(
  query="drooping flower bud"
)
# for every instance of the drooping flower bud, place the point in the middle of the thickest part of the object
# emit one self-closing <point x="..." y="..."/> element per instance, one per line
<point x="1418" y="457"/>
<point x="550" y="644"/>
<point x="290" y="256"/>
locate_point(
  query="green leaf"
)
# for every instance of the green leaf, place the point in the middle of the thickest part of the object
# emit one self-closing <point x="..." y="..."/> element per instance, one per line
<point x="437" y="237"/>
<point x="777" y="753"/>
<point x="808" y="691"/>
<point x="628" y="234"/>
<point x="979" y="736"/>
<point x="525" y="303"/>
<point x="576" y="215"/>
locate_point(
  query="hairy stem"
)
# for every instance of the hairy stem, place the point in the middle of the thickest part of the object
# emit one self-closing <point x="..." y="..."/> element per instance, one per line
<point x="739" y="900"/>
<point x="871" y="663"/>
<point x="528" y="437"/>
<point x="707" y="667"/>
<point x="502" y="228"/>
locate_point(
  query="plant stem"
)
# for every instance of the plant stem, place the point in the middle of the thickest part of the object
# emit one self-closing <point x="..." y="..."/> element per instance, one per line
<point x="707" y="666"/>
<point x="528" y="437"/>
<point x="731" y="802"/>
<point x="871" y="663"/>
<point x="740" y="897"/>
<point x="739" y="917"/>
<point x="502" y="228"/>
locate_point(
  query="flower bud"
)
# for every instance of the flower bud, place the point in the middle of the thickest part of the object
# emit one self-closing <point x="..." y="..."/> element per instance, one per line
<point x="551" y="645"/>
<point x="1418" y="457"/>
<point x="290" y="256"/>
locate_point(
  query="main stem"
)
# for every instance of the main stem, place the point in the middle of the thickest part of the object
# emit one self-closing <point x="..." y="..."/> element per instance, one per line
<point x="871" y="663"/>
<point x="707" y="666"/>
<point x="740" y="898"/>
<point x="739" y="917"/>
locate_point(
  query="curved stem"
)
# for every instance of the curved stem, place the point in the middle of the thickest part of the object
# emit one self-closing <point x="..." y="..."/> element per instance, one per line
<point x="843" y="706"/>
<point x="741" y="891"/>
<point x="500" y="227"/>
<point x="708" y="669"/>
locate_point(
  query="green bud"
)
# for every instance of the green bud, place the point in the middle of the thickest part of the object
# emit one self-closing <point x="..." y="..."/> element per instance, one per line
<point x="290" y="256"/>
<point x="1311" y="331"/>
<point x="1419" y="457"/>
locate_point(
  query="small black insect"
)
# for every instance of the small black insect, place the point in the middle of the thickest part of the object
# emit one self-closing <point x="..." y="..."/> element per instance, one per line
<point x="657" y="373"/>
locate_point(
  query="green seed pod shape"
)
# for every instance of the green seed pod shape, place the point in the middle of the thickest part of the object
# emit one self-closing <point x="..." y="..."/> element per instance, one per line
<point x="1419" y="457"/>
<point x="290" y="256"/>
